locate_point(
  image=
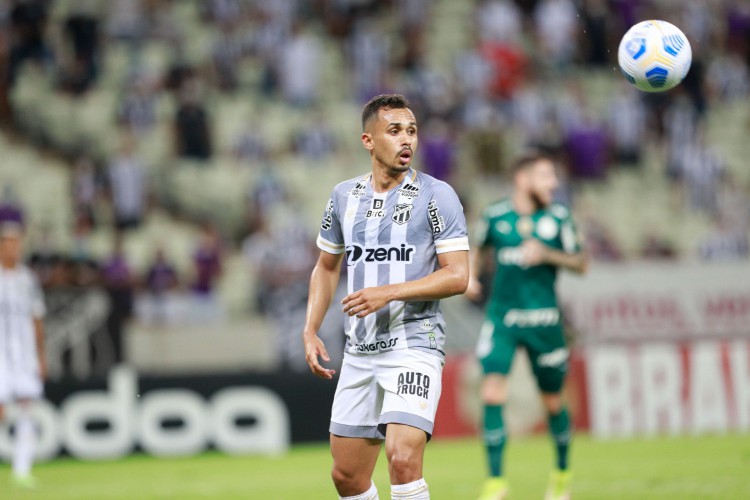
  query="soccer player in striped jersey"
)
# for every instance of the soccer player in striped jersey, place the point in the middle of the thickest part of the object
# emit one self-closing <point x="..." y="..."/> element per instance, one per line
<point x="531" y="238"/>
<point x="403" y="236"/>
<point x="22" y="361"/>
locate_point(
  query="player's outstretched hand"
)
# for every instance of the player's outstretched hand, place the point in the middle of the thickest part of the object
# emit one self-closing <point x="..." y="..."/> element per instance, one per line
<point x="534" y="252"/>
<point x="314" y="347"/>
<point x="366" y="301"/>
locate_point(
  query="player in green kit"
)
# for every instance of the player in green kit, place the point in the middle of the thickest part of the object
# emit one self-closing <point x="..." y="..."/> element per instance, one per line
<point x="531" y="237"/>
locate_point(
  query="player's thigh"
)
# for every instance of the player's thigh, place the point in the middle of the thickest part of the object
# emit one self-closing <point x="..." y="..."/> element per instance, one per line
<point x="404" y="448"/>
<point x="548" y="356"/>
<point x="496" y="347"/>
<point x="354" y="459"/>
<point x="358" y="400"/>
<point x="412" y="382"/>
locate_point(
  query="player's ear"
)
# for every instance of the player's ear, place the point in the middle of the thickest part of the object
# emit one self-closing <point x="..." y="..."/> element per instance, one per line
<point x="367" y="141"/>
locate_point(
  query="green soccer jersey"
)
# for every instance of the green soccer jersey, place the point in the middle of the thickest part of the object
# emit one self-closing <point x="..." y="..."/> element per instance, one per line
<point x="525" y="296"/>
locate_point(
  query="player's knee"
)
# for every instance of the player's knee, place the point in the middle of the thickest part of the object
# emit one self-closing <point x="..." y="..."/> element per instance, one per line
<point x="405" y="465"/>
<point x="494" y="390"/>
<point x="347" y="482"/>
<point x="553" y="403"/>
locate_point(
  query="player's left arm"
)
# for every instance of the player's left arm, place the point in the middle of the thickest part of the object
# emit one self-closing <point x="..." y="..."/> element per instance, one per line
<point x="39" y="337"/>
<point x="535" y="253"/>
<point x="572" y="256"/>
<point x="450" y="279"/>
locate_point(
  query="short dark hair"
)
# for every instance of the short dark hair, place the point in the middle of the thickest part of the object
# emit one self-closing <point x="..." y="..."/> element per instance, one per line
<point x="390" y="101"/>
<point x="528" y="159"/>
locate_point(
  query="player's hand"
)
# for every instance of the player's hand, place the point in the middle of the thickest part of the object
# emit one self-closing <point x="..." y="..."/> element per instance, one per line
<point x="366" y="301"/>
<point x="474" y="291"/>
<point x="534" y="252"/>
<point x="314" y="347"/>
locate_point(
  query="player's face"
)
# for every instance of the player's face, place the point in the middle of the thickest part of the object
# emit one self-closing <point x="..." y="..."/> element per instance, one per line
<point x="10" y="249"/>
<point x="392" y="138"/>
<point x="542" y="182"/>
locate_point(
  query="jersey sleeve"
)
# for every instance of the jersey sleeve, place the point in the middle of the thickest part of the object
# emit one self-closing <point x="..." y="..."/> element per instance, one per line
<point x="447" y="221"/>
<point x="570" y="237"/>
<point x="331" y="237"/>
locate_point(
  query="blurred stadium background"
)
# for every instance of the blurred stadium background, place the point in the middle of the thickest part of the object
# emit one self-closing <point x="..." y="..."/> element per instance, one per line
<point x="171" y="160"/>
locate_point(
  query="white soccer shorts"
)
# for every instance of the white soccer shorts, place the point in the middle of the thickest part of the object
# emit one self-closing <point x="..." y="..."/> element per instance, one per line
<point x="18" y="384"/>
<point x="394" y="387"/>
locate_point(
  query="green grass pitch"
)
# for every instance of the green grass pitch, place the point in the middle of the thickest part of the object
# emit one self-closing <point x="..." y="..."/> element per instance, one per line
<point x="716" y="467"/>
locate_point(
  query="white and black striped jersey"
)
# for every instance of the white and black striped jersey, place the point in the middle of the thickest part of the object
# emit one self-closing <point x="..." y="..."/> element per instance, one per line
<point x="21" y="301"/>
<point x="391" y="238"/>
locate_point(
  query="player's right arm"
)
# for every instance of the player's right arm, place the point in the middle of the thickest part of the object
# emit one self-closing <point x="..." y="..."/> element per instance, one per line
<point x="323" y="283"/>
<point x="477" y="258"/>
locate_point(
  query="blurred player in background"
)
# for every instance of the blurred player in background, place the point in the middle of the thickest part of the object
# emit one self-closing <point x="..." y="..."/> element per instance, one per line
<point x="530" y="237"/>
<point x="22" y="361"/>
<point x="404" y="237"/>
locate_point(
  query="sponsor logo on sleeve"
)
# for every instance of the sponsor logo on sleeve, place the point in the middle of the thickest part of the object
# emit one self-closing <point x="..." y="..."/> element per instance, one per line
<point x="436" y="220"/>
<point x="328" y="217"/>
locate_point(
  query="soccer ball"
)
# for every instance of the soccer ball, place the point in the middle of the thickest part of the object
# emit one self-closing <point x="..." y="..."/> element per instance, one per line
<point x="654" y="56"/>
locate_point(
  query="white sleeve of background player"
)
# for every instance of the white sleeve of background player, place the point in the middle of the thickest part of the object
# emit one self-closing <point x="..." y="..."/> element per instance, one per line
<point x="38" y="308"/>
<point x="447" y="221"/>
<point x="570" y="236"/>
<point x="331" y="237"/>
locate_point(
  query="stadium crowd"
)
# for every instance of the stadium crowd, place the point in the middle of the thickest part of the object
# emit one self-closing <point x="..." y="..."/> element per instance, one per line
<point x="518" y="77"/>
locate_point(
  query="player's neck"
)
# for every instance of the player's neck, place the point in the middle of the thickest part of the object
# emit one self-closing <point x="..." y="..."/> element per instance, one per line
<point x="523" y="203"/>
<point x="384" y="180"/>
<point x="8" y="265"/>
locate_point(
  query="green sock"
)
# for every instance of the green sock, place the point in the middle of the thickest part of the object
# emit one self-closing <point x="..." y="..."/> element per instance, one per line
<point x="559" y="427"/>
<point x="494" y="438"/>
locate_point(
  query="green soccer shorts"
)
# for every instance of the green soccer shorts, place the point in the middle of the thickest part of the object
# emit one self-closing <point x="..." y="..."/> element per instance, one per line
<point x="545" y="346"/>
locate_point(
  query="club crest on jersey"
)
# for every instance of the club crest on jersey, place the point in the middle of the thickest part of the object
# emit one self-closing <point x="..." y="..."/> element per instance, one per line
<point x="436" y="220"/>
<point x="410" y="191"/>
<point x="402" y="213"/>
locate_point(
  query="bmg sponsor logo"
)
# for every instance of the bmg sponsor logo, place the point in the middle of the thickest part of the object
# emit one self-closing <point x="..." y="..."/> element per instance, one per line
<point x="413" y="383"/>
<point x="436" y="220"/>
